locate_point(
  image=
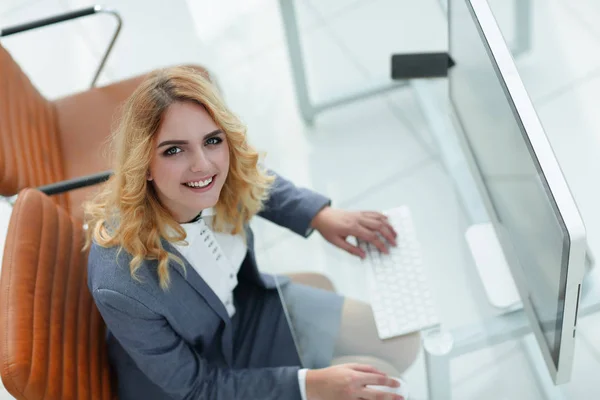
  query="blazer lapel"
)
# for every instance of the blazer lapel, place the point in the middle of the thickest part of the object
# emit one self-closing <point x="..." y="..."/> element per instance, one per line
<point x="196" y="282"/>
<point x="192" y="277"/>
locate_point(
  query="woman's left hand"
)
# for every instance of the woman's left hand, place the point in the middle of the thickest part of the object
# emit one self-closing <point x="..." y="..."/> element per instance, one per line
<point x="369" y="226"/>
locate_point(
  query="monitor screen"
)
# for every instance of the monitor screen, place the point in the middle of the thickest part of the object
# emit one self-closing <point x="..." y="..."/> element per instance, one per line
<point x="496" y="133"/>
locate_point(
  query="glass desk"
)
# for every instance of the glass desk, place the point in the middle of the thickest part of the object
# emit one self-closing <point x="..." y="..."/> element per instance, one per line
<point x="472" y="331"/>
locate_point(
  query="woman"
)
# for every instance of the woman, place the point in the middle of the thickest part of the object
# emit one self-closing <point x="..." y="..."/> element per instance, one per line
<point x="173" y="273"/>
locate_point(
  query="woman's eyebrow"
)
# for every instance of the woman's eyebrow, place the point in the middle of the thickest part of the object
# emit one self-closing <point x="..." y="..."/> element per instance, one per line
<point x="213" y="133"/>
<point x="180" y="142"/>
<point x="171" y="142"/>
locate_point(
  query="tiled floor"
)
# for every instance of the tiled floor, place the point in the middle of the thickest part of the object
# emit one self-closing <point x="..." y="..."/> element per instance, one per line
<point x="376" y="153"/>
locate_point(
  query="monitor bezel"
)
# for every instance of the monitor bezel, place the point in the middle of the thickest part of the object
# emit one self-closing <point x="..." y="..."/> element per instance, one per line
<point x="555" y="186"/>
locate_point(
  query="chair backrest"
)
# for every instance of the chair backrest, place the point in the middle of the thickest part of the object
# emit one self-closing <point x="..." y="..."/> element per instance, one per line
<point x="52" y="337"/>
<point x="30" y="152"/>
<point x="43" y="141"/>
<point x="86" y="120"/>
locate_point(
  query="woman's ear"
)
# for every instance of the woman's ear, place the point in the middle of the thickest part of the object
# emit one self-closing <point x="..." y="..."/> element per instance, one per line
<point x="148" y="176"/>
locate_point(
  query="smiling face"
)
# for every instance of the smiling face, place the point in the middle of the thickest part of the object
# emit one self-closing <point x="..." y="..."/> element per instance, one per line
<point x="190" y="161"/>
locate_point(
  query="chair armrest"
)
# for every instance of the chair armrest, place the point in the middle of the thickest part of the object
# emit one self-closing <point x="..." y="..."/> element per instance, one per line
<point x="75" y="183"/>
<point x="67" y="17"/>
<point x="47" y="21"/>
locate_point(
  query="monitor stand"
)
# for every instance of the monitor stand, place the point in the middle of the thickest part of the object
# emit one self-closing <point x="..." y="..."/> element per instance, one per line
<point x="492" y="267"/>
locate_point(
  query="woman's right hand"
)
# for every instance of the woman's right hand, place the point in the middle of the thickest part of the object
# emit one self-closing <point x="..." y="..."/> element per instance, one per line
<point x="348" y="382"/>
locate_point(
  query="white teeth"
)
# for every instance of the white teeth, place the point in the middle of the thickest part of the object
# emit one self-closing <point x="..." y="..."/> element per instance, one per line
<point x="200" y="184"/>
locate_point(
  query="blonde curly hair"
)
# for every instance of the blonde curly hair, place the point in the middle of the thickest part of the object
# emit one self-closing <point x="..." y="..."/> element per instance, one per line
<point x="127" y="212"/>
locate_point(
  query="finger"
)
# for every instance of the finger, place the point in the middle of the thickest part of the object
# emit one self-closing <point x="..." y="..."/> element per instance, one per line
<point x="366" y="368"/>
<point x="391" y="228"/>
<point x="367" y="378"/>
<point x="373" y="394"/>
<point x="376" y="215"/>
<point x="381" y="218"/>
<point x="372" y="237"/>
<point x="383" y="227"/>
<point x="350" y="248"/>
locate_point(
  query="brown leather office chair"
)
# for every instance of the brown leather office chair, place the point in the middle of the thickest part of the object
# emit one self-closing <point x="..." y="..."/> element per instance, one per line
<point x="52" y="343"/>
<point x="52" y="337"/>
<point x="43" y="141"/>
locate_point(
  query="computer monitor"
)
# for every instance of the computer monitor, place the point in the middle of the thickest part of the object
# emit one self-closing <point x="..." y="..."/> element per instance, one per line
<point x="527" y="198"/>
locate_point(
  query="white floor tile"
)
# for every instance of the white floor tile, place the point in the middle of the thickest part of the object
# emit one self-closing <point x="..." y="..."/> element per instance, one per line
<point x="244" y="33"/>
<point x="326" y="11"/>
<point x="560" y="52"/>
<point x="587" y="11"/>
<point x="215" y="19"/>
<point x="153" y="35"/>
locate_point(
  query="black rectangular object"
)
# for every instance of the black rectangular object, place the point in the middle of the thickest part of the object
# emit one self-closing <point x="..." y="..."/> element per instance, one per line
<point x="420" y="65"/>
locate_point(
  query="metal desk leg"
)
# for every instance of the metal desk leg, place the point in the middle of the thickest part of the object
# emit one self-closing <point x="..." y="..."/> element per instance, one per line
<point x="308" y="109"/>
<point x="437" y="349"/>
<point x="288" y="13"/>
<point x="523" y="26"/>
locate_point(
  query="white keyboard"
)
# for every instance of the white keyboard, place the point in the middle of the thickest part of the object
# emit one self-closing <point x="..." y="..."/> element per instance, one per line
<point x="401" y="299"/>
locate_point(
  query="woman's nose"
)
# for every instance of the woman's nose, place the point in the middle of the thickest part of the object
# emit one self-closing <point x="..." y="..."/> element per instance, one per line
<point x="200" y="162"/>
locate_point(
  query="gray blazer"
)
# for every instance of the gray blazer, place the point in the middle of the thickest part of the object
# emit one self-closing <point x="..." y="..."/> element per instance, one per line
<point x="181" y="344"/>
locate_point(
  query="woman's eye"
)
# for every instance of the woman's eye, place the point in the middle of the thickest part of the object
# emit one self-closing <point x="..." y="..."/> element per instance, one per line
<point x="214" y="140"/>
<point x="172" y="150"/>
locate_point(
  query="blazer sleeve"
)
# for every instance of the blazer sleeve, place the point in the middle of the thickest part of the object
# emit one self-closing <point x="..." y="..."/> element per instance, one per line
<point x="176" y="367"/>
<point x="292" y="207"/>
